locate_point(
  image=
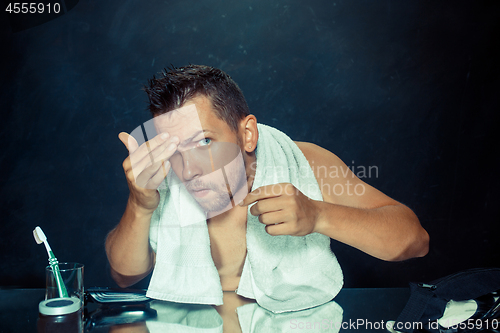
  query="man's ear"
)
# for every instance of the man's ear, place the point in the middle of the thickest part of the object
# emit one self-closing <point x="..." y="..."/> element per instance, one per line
<point x="249" y="132"/>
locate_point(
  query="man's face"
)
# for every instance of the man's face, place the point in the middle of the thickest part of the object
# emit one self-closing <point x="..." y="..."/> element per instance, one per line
<point x="208" y="159"/>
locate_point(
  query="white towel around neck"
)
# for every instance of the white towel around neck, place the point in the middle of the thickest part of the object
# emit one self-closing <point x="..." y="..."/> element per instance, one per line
<point x="282" y="273"/>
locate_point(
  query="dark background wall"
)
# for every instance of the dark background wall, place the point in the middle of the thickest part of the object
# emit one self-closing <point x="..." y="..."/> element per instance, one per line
<point x="410" y="87"/>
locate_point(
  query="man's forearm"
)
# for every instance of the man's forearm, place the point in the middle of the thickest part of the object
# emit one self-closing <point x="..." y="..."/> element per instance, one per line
<point x="127" y="246"/>
<point x="390" y="232"/>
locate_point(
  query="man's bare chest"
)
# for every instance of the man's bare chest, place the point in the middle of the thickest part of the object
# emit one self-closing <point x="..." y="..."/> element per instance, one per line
<point x="227" y="234"/>
<point x="228" y="246"/>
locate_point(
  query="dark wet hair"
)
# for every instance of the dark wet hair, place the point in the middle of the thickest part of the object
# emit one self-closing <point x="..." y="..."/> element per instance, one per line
<point x="175" y="86"/>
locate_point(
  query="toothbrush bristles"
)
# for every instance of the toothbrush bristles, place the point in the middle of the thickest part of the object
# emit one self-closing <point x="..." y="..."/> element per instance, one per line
<point x="39" y="235"/>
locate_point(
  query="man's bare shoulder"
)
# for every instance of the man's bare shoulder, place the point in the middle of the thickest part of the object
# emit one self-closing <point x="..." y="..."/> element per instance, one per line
<point x="338" y="183"/>
<point x="317" y="156"/>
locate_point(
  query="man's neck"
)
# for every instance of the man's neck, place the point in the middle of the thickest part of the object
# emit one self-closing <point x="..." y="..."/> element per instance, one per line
<point x="250" y="169"/>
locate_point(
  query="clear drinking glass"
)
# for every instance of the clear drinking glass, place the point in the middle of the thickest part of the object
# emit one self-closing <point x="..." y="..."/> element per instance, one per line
<point x="72" y="277"/>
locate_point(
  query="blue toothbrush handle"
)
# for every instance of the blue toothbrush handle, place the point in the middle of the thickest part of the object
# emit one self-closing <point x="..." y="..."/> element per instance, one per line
<point x="57" y="274"/>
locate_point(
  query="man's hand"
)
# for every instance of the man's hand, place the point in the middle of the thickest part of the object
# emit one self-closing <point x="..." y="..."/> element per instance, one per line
<point x="283" y="209"/>
<point x="146" y="167"/>
<point x="127" y="245"/>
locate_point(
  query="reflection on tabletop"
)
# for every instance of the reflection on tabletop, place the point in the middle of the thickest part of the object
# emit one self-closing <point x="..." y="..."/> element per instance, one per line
<point x="237" y="314"/>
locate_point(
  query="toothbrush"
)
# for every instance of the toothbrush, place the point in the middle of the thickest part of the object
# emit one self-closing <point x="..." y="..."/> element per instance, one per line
<point x="41" y="238"/>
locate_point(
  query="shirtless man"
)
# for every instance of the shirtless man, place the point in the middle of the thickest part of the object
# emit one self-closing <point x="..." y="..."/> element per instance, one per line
<point x="371" y="222"/>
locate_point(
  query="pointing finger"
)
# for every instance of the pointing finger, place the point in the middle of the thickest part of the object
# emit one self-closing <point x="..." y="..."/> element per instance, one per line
<point x="265" y="206"/>
<point x="263" y="192"/>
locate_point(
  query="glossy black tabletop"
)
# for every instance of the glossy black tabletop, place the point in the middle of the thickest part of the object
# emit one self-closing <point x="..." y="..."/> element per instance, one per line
<point x="365" y="310"/>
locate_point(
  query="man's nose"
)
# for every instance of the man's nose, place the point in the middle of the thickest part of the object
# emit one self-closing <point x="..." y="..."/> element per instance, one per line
<point x="191" y="166"/>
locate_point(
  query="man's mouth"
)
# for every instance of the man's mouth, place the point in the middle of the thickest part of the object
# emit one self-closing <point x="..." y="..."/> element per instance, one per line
<point x="199" y="192"/>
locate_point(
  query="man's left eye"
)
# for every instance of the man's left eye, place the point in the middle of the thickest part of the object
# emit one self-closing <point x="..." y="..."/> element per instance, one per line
<point x="204" y="142"/>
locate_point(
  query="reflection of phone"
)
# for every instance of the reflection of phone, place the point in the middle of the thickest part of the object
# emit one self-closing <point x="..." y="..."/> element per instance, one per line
<point x="108" y="315"/>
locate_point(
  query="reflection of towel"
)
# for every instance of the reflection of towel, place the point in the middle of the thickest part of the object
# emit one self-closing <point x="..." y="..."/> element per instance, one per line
<point x="283" y="273"/>
<point x="174" y="317"/>
<point x="254" y="319"/>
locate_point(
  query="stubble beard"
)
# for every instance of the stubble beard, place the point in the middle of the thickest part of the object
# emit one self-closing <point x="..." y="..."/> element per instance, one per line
<point x="221" y="200"/>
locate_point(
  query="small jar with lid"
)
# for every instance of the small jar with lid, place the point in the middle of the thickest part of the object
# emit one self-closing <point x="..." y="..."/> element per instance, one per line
<point x="60" y="315"/>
